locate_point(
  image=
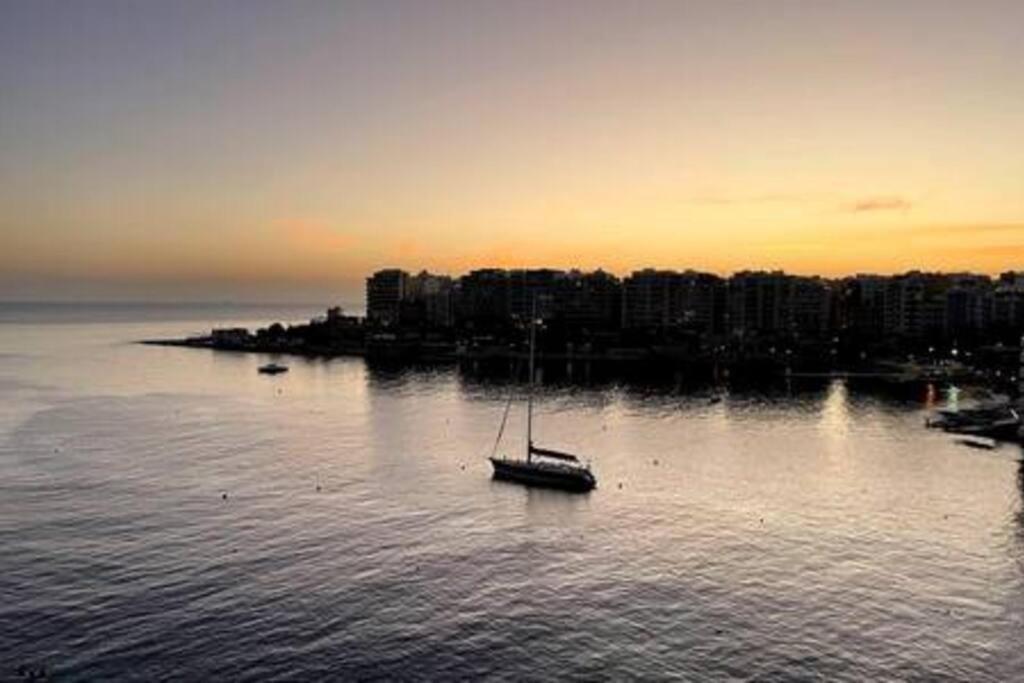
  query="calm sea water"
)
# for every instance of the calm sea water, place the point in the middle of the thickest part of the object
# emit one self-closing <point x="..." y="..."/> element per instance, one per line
<point x="806" y="532"/>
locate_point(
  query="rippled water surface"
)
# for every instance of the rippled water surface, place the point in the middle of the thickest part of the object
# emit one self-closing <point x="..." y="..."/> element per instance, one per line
<point x="813" y="531"/>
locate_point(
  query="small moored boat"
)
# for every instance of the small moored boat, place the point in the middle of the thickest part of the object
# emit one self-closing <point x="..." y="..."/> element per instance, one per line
<point x="998" y="422"/>
<point x="273" y="369"/>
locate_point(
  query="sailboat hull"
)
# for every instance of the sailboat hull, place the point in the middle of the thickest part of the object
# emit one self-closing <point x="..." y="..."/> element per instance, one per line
<point x="531" y="473"/>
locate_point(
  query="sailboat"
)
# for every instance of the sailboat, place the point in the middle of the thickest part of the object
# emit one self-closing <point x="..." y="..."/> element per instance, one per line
<point x="542" y="466"/>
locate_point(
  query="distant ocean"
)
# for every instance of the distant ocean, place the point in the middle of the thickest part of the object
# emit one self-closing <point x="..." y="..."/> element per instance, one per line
<point x="113" y="312"/>
<point x="171" y="514"/>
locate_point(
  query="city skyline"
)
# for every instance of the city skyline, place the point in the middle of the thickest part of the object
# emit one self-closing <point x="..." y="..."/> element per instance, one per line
<point x="250" y="152"/>
<point x="928" y="303"/>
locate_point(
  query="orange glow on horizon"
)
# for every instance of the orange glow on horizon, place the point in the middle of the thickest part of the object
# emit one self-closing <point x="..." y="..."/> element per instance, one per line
<point x="840" y="138"/>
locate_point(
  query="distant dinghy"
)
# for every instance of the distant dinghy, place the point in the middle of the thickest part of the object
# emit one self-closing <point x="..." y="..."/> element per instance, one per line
<point x="542" y="466"/>
<point x="273" y="369"/>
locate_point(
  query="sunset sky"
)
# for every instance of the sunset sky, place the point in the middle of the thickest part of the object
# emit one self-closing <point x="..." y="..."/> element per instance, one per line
<point x="282" y="150"/>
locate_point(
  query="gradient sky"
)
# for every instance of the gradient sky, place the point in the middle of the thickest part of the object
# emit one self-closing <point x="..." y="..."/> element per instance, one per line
<point x="281" y="150"/>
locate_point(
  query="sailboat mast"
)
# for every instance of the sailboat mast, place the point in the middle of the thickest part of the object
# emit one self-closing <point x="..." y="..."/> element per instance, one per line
<point x="529" y="395"/>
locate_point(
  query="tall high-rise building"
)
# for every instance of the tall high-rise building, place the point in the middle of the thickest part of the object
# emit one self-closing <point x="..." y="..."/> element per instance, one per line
<point x="385" y="291"/>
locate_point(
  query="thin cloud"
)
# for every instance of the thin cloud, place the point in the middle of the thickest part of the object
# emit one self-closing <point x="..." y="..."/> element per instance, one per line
<point x="880" y="204"/>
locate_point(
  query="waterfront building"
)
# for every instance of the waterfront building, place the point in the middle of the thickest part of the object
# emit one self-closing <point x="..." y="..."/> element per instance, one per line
<point x="588" y="300"/>
<point x="1008" y="306"/>
<point x="526" y="286"/>
<point x="647" y="299"/>
<point x="811" y="302"/>
<point x="1012" y="279"/>
<point x="1020" y="375"/>
<point x="426" y="284"/>
<point x="773" y="303"/>
<point x="702" y="298"/>
<point x="915" y="309"/>
<point x="385" y="291"/>
<point x="658" y="299"/>
<point x="481" y="299"/>
<point x="395" y="297"/>
<point x="862" y="303"/>
<point x="759" y="303"/>
<point x="968" y="306"/>
<point x="916" y="305"/>
<point x="428" y="299"/>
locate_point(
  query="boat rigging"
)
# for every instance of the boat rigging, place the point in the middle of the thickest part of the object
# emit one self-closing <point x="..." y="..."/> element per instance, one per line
<point x="543" y="467"/>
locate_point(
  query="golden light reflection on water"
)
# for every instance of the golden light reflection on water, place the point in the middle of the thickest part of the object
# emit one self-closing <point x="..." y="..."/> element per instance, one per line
<point x="835" y="413"/>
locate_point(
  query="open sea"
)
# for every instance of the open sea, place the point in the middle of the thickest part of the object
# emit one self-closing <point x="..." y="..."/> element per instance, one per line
<point x="810" y="531"/>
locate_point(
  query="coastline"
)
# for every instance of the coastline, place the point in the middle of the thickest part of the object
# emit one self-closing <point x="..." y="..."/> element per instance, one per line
<point x="663" y="359"/>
